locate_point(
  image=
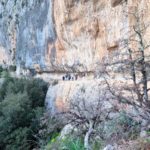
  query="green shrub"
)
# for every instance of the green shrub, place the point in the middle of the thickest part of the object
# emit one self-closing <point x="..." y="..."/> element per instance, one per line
<point x="97" y="144"/>
<point x="21" y="107"/>
<point x="12" y="68"/>
<point x="50" y="128"/>
<point x="69" y="143"/>
<point x="5" y="74"/>
<point x="123" y="127"/>
<point x="1" y="69"/>
<point x="72" y="142"/>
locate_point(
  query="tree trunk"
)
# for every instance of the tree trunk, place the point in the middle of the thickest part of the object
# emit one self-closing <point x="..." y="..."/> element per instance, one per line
<point x="87" y="136"/>
<point x="143" y="65"/>
<point x="133" y="74"/>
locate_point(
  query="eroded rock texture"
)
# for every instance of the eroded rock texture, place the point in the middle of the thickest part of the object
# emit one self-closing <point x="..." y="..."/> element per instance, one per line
<point x="86" y="31"/>
<point x="36" y="37"/>
<point x="66" y="35"/>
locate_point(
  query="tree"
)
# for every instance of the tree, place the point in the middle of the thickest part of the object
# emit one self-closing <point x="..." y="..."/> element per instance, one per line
<point x="132" y="63"/>
<point x="21" y="107"/>
<point x="87" y="114"/>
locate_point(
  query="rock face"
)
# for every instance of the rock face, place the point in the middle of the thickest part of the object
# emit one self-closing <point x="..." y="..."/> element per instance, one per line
<point x="66" y="35"/>
<point x="35" y="37"/>
<point x="86" y="31"/>
<point x="59" y="95"/>
<point x="27" y="33"/>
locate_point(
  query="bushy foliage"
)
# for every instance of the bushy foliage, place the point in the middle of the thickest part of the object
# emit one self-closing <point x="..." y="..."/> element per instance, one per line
<point x="3" y="72"/>
<point x="71" y="142"/>
<point x="68" y="143"/>
<point x="122" y="127"/>
<point x="50" y="128"/>
<point x="21" y="107"/>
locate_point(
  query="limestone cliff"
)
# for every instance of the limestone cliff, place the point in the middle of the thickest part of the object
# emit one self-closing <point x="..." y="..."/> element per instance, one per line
<point x="66" y="35"/>
<point x="25" y="33"/>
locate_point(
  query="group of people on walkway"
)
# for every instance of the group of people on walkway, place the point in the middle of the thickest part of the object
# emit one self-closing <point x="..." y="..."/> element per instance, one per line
<point x="71" y="76"/>
<point x="68" y="77"/>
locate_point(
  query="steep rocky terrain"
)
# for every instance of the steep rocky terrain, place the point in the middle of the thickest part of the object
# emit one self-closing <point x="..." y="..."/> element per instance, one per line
<point x="67" y="35"/>
<point x="26" y="29"/>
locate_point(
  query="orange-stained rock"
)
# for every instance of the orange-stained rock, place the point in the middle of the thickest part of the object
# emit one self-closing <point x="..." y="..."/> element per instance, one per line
<point x="59" y="45"/>
<point x="60" y="104"/>
<point x="65" y="35"/>
<point x="89" y="30"/>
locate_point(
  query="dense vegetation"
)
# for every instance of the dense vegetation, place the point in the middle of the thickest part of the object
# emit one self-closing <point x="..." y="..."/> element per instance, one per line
<point x="121" y="128"/>
<point x="21" y="107"/>
<point x="24" y="125"/>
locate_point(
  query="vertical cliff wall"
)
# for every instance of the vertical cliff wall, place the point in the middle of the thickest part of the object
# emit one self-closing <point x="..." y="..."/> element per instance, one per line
<point x="87" y="30"/>
<point x="36" y="37"/>
<point x="66" y="35"/>
<point x="27" y="33"/>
